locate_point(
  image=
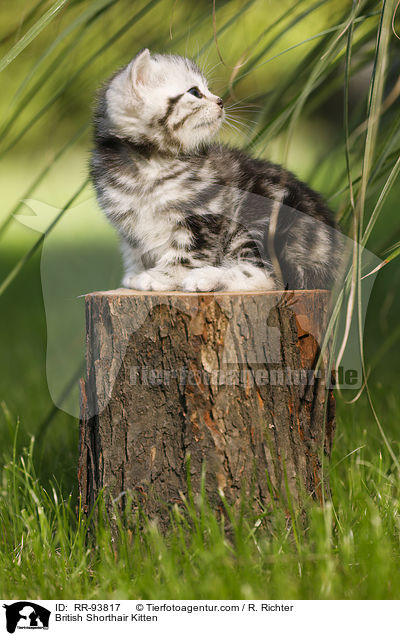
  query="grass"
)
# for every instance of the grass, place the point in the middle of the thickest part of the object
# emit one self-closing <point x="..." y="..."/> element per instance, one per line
<point x="322" y="82"/>
<point x="349" y="549"/>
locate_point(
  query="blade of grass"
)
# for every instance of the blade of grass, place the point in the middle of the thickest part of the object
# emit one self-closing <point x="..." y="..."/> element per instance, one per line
<point x="226" y="26"/>
<point x="41" y="176"/>
<point x="86" y="18"/>
<point x="382" y="198"/>
<point x="346" y="109"/>
<point x="32" y="33"/>
<point x="38" y="85"/>
<point x="316" y="36"/>
<point x="374" y="109"/>
<point x="274" y="124"/>
<point x="335" y="45"/>
<point x="355" y="271"/>
<point x="294" y="22"/>
<point x="377" y="84"/>
<point x="83" y="67"/>
<point x="356" y="247"/>
<point x="387" y="155"/>
<point x="26" y="257"/>
<point x="14" y="32"/>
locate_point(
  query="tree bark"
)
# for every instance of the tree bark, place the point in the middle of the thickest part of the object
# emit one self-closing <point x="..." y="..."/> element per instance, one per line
<point x="227" y="380"/>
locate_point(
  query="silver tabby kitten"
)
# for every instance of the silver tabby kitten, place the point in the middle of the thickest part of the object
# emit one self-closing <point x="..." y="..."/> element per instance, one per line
<point x="193" y="215"/>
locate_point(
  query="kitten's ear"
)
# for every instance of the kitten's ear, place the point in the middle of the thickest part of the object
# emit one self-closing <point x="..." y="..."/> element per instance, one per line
<point x="140" y="70"/>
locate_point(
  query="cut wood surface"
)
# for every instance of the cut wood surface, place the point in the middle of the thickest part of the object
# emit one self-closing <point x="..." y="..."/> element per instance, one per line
<point x="219" y="381"/>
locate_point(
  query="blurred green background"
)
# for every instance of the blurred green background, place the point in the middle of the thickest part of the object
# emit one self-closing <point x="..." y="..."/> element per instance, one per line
<point x="317" y="86"/>
<point x="270" y="50"/>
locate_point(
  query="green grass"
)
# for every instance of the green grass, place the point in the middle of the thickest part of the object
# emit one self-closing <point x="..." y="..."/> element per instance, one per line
<point x="349" y="549"/>
<point x="307" y="74"/>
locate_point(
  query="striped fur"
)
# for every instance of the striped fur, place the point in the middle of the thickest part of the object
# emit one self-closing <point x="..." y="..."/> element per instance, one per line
<point x="194" y="215"/>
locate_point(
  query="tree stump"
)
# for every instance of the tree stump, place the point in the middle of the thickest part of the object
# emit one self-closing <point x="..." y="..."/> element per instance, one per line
<point x="228" y="380"/>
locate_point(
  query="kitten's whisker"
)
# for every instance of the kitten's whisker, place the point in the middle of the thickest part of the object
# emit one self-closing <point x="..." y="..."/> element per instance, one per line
<point x="243" y="105"/>
<point x="246" y="124"/>
<point x="240" y="122"/>
<point x="239" y="116"/>
<point x="204" y="63"/>
<point x="243" y="108"/>
<point x="241" y="132"/>
<point x="206" y="67"/>
<point x="215" y="66"/>
<point x="240" y="105"/>
<point x="240" y="101"/>
<point x="210" y="78"/>
<point x="236" y="113"/>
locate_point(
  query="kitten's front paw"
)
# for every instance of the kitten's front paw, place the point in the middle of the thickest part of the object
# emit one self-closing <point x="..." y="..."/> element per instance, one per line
<point x="242" y="277"/>
<point x="203" y="279"/>
<point x="146" y="281"/>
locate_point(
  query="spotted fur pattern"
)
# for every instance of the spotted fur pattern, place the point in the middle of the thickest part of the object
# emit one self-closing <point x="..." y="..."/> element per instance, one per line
<point x="194" y="215"/>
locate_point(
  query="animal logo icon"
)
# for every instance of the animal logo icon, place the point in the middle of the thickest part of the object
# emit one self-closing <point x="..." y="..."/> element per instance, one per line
<point x="26" y="615"/>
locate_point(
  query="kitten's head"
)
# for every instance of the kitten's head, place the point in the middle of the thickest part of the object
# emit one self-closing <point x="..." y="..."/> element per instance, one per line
<point x="163" y="100"/>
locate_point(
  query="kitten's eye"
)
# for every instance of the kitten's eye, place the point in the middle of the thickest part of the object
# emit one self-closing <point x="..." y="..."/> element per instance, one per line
<point x="195" y="91"/>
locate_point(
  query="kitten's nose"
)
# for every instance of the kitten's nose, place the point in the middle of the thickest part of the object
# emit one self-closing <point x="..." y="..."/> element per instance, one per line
<point x="220" y="102"/>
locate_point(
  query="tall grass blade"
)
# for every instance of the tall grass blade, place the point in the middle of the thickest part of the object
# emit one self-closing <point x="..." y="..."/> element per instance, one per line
<point x="334" y="47"/>
<point x="394" y="173"/>
<point x="86" y="18"/>
<point x="14" y="32"/>
<point x="26" y="257"/>
<point x="41" y="176"/>
<point x="32" y="33"/>
<point x="83" y="67"/>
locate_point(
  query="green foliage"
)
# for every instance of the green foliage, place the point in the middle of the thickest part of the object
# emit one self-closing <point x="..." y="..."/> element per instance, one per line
<point x="33" y="32"/>
<point x="316" y="86"/>
<point x="348" y="549"/>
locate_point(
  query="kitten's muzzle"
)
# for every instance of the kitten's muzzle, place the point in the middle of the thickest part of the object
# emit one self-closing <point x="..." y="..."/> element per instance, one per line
<point x="220" y="103"/>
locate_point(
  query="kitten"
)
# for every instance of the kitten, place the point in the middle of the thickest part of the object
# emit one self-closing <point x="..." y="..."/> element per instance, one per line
<point x="194" y="215"/>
